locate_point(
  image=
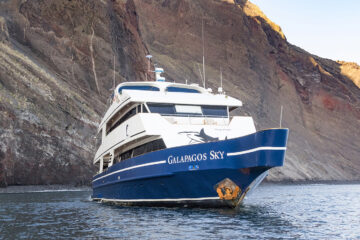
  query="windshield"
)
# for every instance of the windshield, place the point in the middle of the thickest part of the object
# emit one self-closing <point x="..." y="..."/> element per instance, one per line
<point x="181" y="89"/>
<point x="139" y="87"/>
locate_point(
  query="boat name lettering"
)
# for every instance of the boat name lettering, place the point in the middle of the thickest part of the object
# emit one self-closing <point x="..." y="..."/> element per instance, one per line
<point x="214" y="155"/>
<point x="196" y="157"/>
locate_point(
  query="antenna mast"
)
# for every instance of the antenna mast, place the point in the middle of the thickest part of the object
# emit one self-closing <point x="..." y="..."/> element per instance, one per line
<point x="114" y="81"/>
<point x="220" y="89"/>
<point x="281" y="115"/>
<point x="202" y="33"/>
<point x="220" y="77"/>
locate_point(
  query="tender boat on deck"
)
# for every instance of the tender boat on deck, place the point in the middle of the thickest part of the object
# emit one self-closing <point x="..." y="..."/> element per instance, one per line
<point x="171" y="144"/>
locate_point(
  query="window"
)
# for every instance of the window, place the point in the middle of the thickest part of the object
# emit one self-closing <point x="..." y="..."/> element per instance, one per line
<point x="140" y="150"/>
<point x="215" y="111"/>
<point x="139" y="87"/>
<point x="181" y="89"/>
<point x="138" y="109"/>
<point x="127" y="115"/>
<point x="188" y="110"/>
<point x="163" y="109"/>
<point x="155" y="145"/>
<point x="125" y="155"/>
<point x="149" y="147"/>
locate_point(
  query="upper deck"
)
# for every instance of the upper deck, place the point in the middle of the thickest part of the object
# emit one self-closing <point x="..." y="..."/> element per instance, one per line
<point x="165" y="93"/>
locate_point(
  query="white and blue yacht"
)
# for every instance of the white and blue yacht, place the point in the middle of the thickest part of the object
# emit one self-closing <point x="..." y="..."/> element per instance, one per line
<point x="171" y="144"/>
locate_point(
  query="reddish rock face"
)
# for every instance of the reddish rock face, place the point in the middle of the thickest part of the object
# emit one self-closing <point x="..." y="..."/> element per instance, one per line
<point x="56" y="68"/>
<point x="321" y="102"/>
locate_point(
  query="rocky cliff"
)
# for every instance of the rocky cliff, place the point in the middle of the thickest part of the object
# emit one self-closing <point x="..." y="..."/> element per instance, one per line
<point x="56" y="69"/>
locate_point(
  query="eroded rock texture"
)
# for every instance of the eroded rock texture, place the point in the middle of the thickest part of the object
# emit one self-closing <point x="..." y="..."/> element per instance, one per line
<point x="56" y="69"/>
<point x="321" y="102"/>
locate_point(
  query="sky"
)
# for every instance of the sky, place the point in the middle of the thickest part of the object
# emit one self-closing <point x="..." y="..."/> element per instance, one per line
<point x="327" y="28"/>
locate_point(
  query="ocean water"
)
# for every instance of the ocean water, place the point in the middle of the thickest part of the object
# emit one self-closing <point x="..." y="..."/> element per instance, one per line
<point x="315" y="211"/>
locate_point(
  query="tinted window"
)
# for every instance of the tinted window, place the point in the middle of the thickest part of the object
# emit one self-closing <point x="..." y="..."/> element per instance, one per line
<point x="140" y="150"/>
<point x="143" y="88"/>
<point x="188" y="110"/>
<point x="126" y="155"/>
<point x="128" y="115"/>
<point x="216" y="111"/>
<point x="166" y="109"/>
<point x="155" y="145"/>
<point x="183" y="90"/>
<point x="117" y="159"/>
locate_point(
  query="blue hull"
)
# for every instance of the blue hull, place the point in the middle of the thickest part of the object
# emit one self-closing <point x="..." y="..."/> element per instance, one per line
<point x="214" y="174"/>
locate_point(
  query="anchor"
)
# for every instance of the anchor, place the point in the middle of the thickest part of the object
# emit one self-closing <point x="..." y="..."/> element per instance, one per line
<point x="228" y="190"/>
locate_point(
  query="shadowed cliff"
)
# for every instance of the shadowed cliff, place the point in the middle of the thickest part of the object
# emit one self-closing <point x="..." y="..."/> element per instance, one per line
<point x="56" y="72"/>
<point x="56" y="68"/>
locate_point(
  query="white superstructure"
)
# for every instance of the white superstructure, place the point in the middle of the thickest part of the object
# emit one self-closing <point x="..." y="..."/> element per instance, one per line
<point x="149" y="116"/>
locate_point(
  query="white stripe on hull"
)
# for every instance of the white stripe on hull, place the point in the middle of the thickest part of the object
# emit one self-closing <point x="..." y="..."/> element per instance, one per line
<point x="158" y="200"/>
<point x="255" y="150"/>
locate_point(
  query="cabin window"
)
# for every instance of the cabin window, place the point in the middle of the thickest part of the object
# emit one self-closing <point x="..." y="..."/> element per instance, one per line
<point x="181" y="89"/>
<point x="155" y="145"/>
<point x="144" y="109"/>
<point x="126" y="155"/>
<point x="149" y="147"/>
<point x="163" y="109"/>
<point x="139" y="87"/>
<point x="215" y="111"/>
<point x="188" y="110"/>
<point x="127" y="115"/>
<point x="117" y="159"/>
<point x="133" y="111"/>
<point x="140" y="150"/>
